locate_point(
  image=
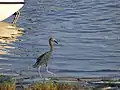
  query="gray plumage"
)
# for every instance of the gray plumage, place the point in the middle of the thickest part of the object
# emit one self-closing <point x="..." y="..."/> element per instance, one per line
<point x="43" y="59"/>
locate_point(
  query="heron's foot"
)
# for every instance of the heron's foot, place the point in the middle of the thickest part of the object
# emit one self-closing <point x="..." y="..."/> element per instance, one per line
<point x="46" y="79"/>
<point x="51" y="73"/>
<point x="54" y="75"/>
<point x="40" y="75"/>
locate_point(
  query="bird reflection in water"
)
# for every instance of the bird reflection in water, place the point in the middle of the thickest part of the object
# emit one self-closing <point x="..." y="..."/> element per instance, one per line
<point x="8" y="34"/>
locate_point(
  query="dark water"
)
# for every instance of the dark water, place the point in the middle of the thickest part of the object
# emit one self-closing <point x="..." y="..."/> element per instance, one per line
<point x="88" y="33"/>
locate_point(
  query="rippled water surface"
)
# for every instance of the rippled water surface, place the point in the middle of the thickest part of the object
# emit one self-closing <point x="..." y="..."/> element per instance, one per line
<point x="88" y="33"/>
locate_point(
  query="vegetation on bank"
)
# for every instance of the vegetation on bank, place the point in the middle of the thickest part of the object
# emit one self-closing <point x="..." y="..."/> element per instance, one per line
<point x="52" y="86"/>
<point x="7" y="83"/>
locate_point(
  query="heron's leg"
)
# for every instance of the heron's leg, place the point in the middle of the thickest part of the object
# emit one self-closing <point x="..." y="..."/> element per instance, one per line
<point x="49" y="71"/>
<point x="39" y="71"/>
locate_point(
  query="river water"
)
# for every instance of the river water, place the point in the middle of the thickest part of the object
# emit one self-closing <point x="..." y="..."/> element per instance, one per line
<point x="88" y="33"/>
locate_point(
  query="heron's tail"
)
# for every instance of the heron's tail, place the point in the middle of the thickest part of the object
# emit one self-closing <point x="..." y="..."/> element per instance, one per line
<point x="35" y="65"/>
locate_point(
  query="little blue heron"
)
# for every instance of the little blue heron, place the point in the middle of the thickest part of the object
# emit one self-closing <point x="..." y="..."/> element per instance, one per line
<point x="43" y="59"/>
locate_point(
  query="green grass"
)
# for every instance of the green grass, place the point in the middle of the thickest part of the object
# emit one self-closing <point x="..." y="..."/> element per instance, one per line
<point x="52" y="86"/>
<point x="7" y="83"/>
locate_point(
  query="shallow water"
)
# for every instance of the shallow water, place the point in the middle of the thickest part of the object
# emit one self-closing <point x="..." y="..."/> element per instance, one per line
<point x="87" y="32"/>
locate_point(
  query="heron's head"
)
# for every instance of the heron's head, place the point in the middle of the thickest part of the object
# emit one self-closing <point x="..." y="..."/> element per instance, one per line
<point x="53" y="40"/>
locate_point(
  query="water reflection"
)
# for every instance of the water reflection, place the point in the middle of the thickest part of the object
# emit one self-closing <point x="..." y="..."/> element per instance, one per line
<point x="8" y="34"/>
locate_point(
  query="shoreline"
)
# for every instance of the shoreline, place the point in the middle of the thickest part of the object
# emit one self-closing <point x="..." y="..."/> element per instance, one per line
<point x="58" y="83"/>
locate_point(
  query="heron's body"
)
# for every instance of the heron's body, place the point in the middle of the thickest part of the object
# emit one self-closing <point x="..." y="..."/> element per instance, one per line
<point x="43" y="59"/>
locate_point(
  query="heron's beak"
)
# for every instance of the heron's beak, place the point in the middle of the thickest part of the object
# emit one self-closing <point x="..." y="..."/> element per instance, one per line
<point x="55" y="41"/>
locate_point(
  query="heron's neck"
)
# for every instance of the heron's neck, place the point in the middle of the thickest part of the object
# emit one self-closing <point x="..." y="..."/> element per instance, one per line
<point x="51" y="46"/>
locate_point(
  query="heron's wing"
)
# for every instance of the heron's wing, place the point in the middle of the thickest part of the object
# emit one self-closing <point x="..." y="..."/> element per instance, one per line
<point x="41" y="56"/>
<point x="44" y="58"/>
